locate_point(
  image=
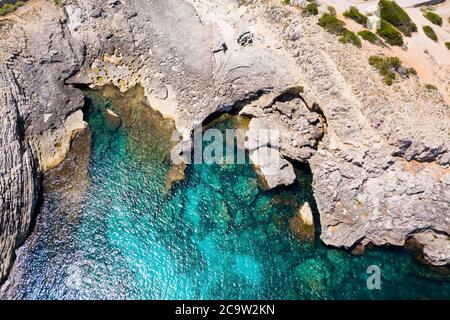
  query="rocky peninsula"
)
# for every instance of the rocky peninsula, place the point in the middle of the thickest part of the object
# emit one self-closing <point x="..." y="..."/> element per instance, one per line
<point x="379" y="154"/>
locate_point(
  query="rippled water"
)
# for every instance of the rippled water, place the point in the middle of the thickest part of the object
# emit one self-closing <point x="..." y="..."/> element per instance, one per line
<point x="122" y="232"/>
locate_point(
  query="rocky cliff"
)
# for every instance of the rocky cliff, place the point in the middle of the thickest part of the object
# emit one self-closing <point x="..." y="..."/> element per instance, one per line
<point x="379" y="155"/>
<point x="17" y="180"/>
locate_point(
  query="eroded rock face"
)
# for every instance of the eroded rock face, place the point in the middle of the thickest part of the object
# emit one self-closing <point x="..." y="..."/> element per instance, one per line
<point x="18" y="183"/>
<point x="435" y="247"/>
<point x="286" y="125"/>
<point x="380" y="171"/>
<point x="36" y="56"/>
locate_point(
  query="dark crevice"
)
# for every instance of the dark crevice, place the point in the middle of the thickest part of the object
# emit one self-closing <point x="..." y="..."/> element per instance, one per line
<point x="236" y="107"/>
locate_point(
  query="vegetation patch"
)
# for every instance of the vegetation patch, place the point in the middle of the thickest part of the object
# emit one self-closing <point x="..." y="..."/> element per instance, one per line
<point x="369" y="36"/>
<point x="10" y="7"/>
<point x="331" y="23"/>
<point x="354" y="14"/>
<point x="431" y="87"/>
<point x="430" y="33"/>
<point x="393" y="13"/>
<point x="390" y="34"/>
<point x="447" y="44"/>
<point x="389" y="67"/>
<point x="433" y="17"/>
<point x="350" y="37"/>
<point x="311" y="9"/>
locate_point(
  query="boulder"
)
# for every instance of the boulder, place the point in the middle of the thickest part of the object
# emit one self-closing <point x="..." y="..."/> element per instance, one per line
<point x="276" y="170"/>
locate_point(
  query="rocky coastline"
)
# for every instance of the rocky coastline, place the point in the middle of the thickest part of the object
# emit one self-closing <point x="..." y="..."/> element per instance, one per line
<point x="379" y="155"/>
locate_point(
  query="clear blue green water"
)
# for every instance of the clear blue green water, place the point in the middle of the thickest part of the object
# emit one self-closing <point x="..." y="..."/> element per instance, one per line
<point x="214" y="235"/>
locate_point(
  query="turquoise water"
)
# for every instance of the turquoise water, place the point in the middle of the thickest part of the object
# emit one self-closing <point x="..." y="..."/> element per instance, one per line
<point x="214" y="235"/>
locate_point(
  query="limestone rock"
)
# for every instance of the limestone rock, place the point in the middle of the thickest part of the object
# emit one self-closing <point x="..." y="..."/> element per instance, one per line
<point x="302" y="223"/>
<point x="275" y="170"/>
<point x="18" y="180"/>
<point x="306" y="214"/>
<point x="436" y="247"/>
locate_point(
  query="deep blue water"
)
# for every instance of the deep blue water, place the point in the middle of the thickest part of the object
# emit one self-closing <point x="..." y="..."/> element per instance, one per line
<point x="214" y="235"/>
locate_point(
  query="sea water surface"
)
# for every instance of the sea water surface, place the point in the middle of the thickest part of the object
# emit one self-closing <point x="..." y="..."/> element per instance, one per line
<point x="125" y="228"/>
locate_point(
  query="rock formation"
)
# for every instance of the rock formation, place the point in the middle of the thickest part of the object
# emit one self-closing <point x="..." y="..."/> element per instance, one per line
<point x="18" y="188"/>
<point x="379" y="155"/>
<point x="302" y="223"/>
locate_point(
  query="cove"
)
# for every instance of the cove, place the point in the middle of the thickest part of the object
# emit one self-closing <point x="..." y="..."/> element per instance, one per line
<point x="116" y="222"/>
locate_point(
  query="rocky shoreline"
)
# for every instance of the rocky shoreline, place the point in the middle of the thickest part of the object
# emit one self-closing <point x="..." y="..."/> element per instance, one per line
<point x="379" y="155"/>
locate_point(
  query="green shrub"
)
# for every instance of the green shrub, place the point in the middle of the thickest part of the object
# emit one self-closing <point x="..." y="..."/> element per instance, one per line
<point x="286" y="1"/>
<point x="311" y="9"/>
<point x="430" y="33"/>
<point x="331" y="23"/>
<point x="7" y="8"/>
<point x="10" y="7"/>
<point x="433" y="17"/>
<point x="354" y="14"/>
<point x="350" y="37"/>
<point x="447" y="44"/>
<point x="393" y="13"/>
<point x="389" y="67"/>
<point x="389" y="33"/>
<point x="431" y="87"/>
<point x="369" y="36"/>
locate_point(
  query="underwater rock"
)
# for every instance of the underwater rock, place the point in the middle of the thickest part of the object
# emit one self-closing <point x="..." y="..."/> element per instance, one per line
<point x="313" y="277"/>
<point x="246" y="189"/>
<point x="112" y="119"/>
<point x="359" y="250"/>
<point x="176" y="173"/>
<point x="436" y="247"/>
<point x="301" y="224"/>
<point x="306" y="214"/>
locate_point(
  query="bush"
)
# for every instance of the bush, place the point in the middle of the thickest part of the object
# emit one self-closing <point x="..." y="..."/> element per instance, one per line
<point x="433" y="17"/>
<point x="7" y="8"/>
<point x="430" y="33"/>
<point x="331" y="23"/>
<point x="390" y="34"/>
<point x="354" y="14"/>
<point x="431" y="87"/>
<point x="447" y="44"/>
<point x="393" y="13"/>
<point x="311" y="9"/>
<point x="389" y="67"/>
<point x="10" y="7"/>
<point x="350" y="37"/>
<point x="369" y="36"/>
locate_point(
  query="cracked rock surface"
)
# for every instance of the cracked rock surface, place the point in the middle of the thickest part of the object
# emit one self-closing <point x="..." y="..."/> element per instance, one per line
<point x="379" y="155"/>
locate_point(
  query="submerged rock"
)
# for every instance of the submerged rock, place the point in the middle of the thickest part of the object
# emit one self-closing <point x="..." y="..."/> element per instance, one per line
<point x="112" y="119"/>
<point x="313" y="277"/>
<point x="301" y="224"/>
